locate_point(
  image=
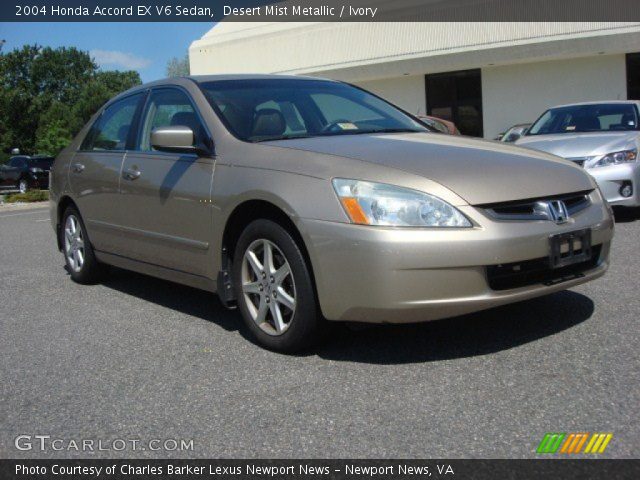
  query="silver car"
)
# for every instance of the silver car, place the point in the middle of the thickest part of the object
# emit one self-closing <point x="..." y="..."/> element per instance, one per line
<point x="602" y="137"/>
<point x="300" y="200"/>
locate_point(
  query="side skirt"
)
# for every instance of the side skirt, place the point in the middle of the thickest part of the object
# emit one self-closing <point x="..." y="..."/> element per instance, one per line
<point x="184" y="278"/>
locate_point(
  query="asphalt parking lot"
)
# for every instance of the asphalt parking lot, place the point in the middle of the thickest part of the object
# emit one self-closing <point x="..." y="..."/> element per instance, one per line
<point x="140" y="358"/>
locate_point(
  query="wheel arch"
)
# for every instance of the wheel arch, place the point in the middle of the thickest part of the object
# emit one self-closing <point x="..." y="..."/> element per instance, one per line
<point x="64" y="202"/>
<point x="248" y="211"/>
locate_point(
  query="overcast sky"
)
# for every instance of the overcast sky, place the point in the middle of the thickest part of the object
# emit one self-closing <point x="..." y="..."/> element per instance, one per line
<point x="145" y="47"/>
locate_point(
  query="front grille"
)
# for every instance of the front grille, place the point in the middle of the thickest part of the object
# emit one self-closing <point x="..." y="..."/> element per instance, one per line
<point x="530" y="272"/>
<point x="526" y="209"/>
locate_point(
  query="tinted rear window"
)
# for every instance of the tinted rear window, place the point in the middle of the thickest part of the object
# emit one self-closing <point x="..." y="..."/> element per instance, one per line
<point x="43" y="162"/>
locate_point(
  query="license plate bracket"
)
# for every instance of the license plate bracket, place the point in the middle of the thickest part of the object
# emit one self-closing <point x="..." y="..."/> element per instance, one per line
<point x="570" y="248"/>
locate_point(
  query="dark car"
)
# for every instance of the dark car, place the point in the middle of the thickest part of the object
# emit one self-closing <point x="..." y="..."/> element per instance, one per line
<point x="24" y="172"/>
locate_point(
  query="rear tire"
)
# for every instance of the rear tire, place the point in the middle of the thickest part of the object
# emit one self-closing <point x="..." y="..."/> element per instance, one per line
<point x="274" y="289"/>
<point x="78" y="252"/>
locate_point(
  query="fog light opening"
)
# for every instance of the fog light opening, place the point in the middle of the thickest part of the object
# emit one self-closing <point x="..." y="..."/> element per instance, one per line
<point x="626" y="190"/>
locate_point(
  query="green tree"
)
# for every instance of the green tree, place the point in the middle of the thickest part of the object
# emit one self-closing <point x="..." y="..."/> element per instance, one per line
<point x="98" y="91"/>
<point x="178" y="67"/>
<point x="47" y="95"/>
<point x="53" y="137"/>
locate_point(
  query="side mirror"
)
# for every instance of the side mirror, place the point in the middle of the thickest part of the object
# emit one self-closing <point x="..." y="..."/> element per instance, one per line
<point x="176" y="139"/>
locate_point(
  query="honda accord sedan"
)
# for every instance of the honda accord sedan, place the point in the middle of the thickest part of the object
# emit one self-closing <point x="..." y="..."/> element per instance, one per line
<point x="602" y="137"/>
<point x="302" y="201"/>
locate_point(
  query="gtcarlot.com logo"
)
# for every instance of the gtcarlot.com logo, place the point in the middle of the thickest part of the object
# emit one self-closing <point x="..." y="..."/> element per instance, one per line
<point x="43" y="443"/>
<point x="574" y="443"/>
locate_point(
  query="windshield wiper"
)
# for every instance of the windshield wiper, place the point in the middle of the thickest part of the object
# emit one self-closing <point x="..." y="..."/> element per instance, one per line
<point x="364" y="132"/>
<point x="281" y="137"/>
<point x="396" y="130"/>
<point x="339" y="133"/>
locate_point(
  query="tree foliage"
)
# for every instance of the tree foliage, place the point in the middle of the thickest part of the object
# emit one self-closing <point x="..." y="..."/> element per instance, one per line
<point x="47" y="95"/>
<point x="178" y="67"/>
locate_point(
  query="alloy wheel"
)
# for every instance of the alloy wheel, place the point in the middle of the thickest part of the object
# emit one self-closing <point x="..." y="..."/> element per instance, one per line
<point x="22" y="186"/>
<point x="268" y="287"/>
<point x="74" y="243"/>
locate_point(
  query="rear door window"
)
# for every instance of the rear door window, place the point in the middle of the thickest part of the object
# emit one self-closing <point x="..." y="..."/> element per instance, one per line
<point x="111" y="130"/>
<point x="17" y="162"/>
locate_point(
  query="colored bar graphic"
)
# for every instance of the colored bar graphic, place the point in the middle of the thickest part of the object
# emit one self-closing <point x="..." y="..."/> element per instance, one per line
<point x="568" y="443"/>
<point x="594" y="437"/>
<point x="572" y="443"/>
<point x="581" y="443"/>
<point x="598" y="443"/>
<point x="606" y="442"/>
<point x="550" y="443"/>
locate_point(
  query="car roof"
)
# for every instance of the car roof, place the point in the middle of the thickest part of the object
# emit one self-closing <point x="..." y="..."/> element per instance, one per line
<point x="252" y="76"/>
<point x="602" y="102"/>
<point x="171" y="81"/>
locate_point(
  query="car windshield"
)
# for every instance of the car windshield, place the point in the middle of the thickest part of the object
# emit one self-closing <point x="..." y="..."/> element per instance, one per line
<point x="257" y="110"/>
<point x="41" y="162"/>
<point x="586" y="118"/>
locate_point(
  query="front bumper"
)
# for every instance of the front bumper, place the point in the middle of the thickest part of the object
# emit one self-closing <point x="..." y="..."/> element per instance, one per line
<point x="611" y="179"/>
<point x="392" y="275"/>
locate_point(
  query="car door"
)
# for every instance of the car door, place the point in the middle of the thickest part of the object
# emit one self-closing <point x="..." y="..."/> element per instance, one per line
<point x="11" y="174"/>
<point x="94" y="172"/>
<point x="165" y="197"/>
<point x="5" y="174"/>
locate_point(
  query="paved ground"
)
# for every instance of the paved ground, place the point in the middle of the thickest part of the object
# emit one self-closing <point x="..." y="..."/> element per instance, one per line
<point x="5" y="207"/>
<point x="139" y="358"/>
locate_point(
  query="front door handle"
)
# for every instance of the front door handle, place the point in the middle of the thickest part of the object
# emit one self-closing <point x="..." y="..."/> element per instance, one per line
<point x="131" y="174"/>
<point x="78" y="167"/>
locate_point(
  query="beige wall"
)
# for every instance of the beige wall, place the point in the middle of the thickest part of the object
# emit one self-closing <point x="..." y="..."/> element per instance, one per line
<point x="407" y="92"/>
<point x="520" y="93"/>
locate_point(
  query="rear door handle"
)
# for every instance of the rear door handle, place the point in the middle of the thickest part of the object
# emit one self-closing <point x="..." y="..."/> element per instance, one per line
<point x="131" y="174"/>
<point x="78" y="167"/>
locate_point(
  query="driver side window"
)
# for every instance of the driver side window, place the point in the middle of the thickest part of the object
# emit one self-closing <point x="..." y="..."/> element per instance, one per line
<point x="16" y="162"/>
<point x="170" y="107"/>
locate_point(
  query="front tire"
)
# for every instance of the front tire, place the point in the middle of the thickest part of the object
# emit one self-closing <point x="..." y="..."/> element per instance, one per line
<point x="78" y="252"/>
<point x="274" y="289"/>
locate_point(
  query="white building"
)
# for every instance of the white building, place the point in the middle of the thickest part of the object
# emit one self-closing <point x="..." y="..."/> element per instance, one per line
<point x="484" y="76"/>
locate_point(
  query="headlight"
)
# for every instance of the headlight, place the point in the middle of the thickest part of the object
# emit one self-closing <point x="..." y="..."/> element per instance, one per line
<point x="369" y="203"/>
<point x="616" y="158"/>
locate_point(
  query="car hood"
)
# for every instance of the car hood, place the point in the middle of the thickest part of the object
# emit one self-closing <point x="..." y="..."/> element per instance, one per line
<point x="478" y="171"/>
<point x="577" y="145"/>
